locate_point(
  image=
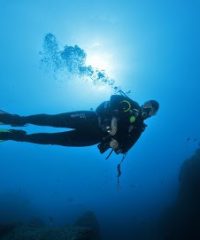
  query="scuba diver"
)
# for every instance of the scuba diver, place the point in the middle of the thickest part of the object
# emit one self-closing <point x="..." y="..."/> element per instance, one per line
<point x="116" y="124"/>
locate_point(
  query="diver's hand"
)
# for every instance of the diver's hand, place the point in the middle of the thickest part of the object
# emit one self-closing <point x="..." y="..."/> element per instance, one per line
<point x="114" y="144"/>
<point x="113" y="128"/>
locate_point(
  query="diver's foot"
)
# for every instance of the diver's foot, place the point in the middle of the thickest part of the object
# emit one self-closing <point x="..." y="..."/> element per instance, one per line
<point x="2" y="112"/>
<point x="11" y="119"/>
<point x="11" y="134"/>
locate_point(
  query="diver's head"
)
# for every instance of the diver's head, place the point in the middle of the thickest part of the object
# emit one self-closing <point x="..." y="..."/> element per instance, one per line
<point x="149" y="108"/>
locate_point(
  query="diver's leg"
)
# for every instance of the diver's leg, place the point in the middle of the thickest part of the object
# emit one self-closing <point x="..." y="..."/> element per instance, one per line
<point x="69" y="138"/>
<point x="78" y="120"/>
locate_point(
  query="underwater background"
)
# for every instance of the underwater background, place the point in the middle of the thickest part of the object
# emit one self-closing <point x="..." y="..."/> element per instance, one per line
<point x="147" y="48"/>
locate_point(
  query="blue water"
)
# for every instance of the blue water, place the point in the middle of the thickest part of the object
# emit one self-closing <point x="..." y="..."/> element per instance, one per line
<point x="154" y="49"/>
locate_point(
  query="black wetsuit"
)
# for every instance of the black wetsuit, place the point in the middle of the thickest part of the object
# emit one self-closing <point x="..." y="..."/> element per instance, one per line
<point x="85" y="127"/>
<point x="89" y="127"/>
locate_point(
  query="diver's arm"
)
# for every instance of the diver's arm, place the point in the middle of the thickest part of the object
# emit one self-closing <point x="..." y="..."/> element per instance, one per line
<point x="122" y="145"/>
<point x="115" y="112"/>
<point x="109" y="140"/>
<point x="113" y="126"/>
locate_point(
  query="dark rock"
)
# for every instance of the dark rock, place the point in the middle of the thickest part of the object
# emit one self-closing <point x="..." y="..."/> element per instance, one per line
<point x="7" y="228"/>
<point x="182" y="221"/>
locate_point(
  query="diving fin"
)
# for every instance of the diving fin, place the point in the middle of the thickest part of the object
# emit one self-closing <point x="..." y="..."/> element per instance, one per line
<point x="2" y="112"/>
<point x="3" y="131"/>
<point x="11" y="119"/>
<point x="11" y="134"/>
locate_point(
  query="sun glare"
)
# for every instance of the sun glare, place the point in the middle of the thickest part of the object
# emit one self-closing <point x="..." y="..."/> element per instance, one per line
<point x="100" y="59"/>
<point x="99" y="62"/>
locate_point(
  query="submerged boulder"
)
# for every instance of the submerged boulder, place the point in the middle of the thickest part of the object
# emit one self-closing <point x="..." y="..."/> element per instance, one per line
<point x="89" y="220"/>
